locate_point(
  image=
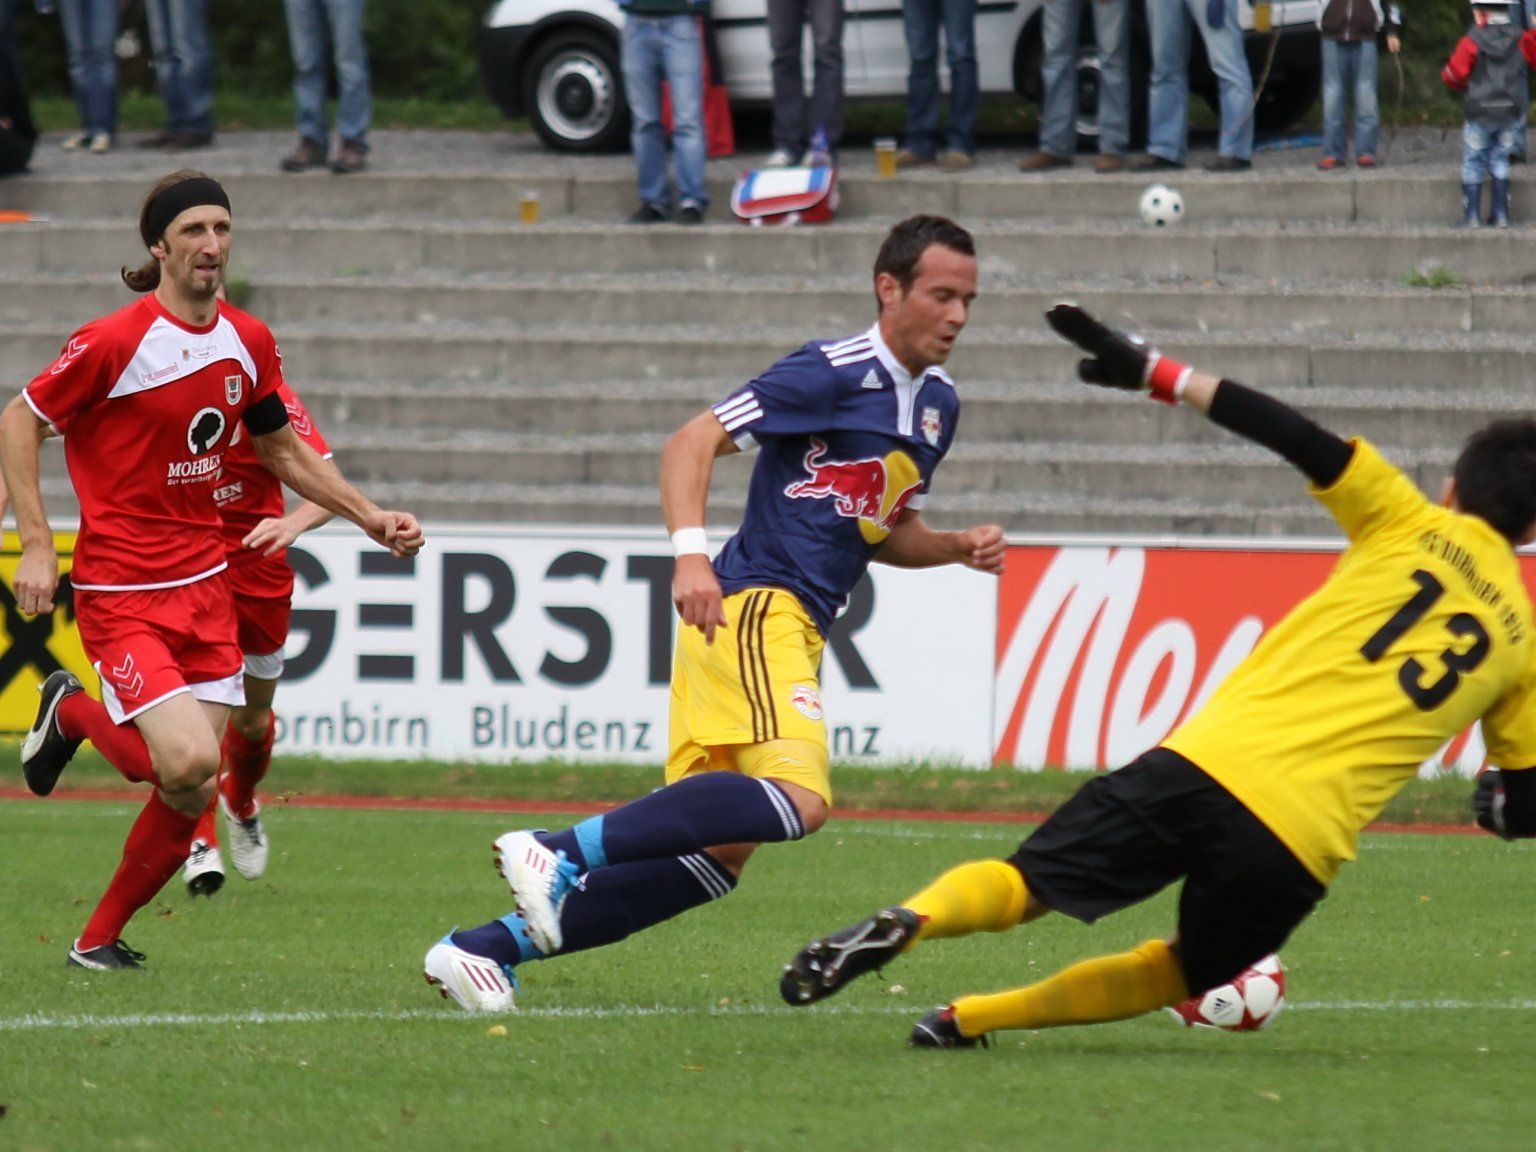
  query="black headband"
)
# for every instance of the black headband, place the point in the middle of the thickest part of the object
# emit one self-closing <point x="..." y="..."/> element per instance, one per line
<point x="173" y="201"/>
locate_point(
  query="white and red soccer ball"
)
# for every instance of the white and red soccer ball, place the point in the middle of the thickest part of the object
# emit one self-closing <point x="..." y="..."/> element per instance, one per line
<point x="1251" y="1001"/>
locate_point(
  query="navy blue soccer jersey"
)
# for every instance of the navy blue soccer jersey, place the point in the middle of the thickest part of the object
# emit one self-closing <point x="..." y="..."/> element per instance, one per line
<point x="847" y="441"/>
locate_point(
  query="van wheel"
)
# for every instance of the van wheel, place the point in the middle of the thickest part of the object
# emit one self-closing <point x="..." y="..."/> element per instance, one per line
<point x="1089" y="85"/>
<point x="574" y="93"/>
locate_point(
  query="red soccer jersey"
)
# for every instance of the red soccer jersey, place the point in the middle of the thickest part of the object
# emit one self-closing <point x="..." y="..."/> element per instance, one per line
<point x="148" y="407"/>
<point x="246" y="492"/>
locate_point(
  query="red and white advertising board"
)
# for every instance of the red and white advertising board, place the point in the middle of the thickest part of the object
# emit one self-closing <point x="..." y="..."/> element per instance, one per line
<point x="1104" y="647"/>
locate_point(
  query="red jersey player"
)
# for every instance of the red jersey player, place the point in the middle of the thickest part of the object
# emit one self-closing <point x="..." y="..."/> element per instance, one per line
<point x="148" y="399"/>
<point x="257" y="532"/>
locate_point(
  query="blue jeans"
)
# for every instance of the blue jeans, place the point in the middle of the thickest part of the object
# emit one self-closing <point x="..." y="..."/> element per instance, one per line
<point x="1349" y="66"/>
<point x="307" y="23"/>
<point x="658" y="48"/>
<point x="922" y="19"/>
<point x="1168" y="132"/>
<point x="1485" y="151"/>
<point x="178" y="35"/>
<point x="1058" y="75"/>
<point x="90" y="35"/>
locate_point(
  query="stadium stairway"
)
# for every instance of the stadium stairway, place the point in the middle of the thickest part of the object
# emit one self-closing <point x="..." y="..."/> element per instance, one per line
<point x="473" y="368"/>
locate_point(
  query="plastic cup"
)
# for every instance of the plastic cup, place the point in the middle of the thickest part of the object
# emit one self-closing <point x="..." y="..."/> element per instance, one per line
<point x="885" y="157"/>
<point x="528" y="208"/>
<point x="1263" y="16"/>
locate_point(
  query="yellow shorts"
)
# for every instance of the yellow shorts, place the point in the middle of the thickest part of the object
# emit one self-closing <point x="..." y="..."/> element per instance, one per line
<point x="751" y="701"/>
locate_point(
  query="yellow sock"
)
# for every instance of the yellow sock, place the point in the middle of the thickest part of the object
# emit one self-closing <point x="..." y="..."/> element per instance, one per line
<point x="983" y="896"/>
<point x="1092" y="992"/>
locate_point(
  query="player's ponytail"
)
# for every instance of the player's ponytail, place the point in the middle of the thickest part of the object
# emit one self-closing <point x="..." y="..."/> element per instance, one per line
<point x="145" y="278"/>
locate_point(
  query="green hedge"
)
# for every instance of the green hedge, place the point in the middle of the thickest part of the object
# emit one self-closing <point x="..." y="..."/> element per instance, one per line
<point x="417" y="48"/>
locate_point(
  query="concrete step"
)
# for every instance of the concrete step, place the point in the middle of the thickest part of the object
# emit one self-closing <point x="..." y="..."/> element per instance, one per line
<point x="1240" y="472"/>
<point x="1019" y="411"/>
<point x="434" y="354"/>
<point x="1301" y="254"/>
<point x="1192" y="514"/>
<point x="573" y="192"/>
<point x="799" y="303"/>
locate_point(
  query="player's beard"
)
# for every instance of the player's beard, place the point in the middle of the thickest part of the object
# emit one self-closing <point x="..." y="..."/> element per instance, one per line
<point x="199" y="290"/>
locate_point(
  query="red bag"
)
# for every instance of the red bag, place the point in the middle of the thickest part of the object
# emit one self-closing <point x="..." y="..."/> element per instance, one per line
<point x="784" y="196"/>
<point x="719" y="130"/>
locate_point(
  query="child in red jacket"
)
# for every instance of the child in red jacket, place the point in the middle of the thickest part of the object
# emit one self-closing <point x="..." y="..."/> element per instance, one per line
<point x="1489" y="66"/>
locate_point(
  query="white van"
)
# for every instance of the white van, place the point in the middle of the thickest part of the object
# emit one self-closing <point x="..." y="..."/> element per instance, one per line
<point x="557" y="61"/>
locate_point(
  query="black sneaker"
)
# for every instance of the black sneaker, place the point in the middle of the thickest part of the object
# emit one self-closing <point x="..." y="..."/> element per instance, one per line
<point x="939" y="1030"/>
<point x="45" y="750"/>
<point x="106" y="958"/>
<point x="690" y="214"/>
<point x="648" y="214"/>
<point x="823" y="966"/>
<point x="1229" y="164"/>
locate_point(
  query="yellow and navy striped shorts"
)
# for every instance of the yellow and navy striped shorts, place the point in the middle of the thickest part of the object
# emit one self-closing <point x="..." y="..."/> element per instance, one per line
<point x="758" y="682"/>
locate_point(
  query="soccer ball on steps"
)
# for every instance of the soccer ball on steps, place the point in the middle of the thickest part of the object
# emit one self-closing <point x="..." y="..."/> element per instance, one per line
<point x="1250" y="1002"/>
<point x="1161" y="206"/>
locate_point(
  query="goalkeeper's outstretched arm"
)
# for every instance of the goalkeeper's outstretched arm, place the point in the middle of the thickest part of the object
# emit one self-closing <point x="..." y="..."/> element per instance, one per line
<point x="1116" y="360"/>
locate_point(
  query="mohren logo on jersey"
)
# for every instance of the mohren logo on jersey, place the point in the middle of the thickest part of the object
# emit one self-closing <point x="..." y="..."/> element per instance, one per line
<point x="228" y="493"/>
<point x="205" y="431"/>
<point x="872" y="491"/>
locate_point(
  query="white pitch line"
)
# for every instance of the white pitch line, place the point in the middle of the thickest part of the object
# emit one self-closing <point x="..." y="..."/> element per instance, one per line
<point x="39" y="1022"/>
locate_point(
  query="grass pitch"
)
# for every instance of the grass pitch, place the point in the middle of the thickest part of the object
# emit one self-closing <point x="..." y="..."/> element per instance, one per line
<point x="289" y="1013"/>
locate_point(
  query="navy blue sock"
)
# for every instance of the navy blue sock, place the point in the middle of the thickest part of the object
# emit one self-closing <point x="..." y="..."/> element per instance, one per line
<point x="618" y="901"/>
<point x="678" y="820"/>
<point x="505" y="941"/>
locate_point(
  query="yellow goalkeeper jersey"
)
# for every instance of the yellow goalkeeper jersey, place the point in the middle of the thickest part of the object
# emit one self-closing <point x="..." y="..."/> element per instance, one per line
<point x="1423" y="627"/>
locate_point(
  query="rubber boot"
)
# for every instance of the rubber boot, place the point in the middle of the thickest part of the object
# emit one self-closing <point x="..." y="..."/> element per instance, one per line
<point x="1498" y="204"/>
<point x="1471" y="205"/>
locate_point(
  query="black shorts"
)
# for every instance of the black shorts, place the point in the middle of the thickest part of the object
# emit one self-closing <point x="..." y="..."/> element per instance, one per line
<point x="1127" y="835"/>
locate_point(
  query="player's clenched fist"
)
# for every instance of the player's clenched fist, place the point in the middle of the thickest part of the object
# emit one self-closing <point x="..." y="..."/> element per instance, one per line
<point x="399" y="532"/>
<point x="37" y="578"/>
<point x="985" y="548"/>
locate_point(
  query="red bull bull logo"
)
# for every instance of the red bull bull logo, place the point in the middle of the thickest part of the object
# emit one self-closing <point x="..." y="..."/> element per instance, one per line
<point x="872" y="491"/>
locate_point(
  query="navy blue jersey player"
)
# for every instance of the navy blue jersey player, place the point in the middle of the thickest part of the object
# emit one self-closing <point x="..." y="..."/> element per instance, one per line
<point x="848" y="435"/>
<point x="847" y="440"/>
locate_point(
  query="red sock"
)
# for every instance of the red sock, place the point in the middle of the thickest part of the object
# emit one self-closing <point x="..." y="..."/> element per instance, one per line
<point x="207" y="827"/>
<point x="243" y="763"/>
<point x="156" y="847"/>
<point x="122" y="744"/>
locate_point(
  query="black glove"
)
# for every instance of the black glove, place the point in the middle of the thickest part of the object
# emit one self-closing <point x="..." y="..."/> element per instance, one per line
<point x="1488" y="803"/>
<point x="1116" y="359"/>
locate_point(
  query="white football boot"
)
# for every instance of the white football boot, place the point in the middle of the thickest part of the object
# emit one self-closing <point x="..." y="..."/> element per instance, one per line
<point x="246" y="840"/>
<point x="203" y="871"/>
<point x="472" y="982"/>
<point x="540" y="881"/>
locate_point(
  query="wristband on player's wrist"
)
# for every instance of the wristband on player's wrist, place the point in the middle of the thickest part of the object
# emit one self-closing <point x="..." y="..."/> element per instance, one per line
<point x="690" y="542"/>
<point x="1165" y="377"/>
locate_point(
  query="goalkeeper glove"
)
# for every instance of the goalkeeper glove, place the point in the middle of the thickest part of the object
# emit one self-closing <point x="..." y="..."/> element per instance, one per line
<point x="1488" y="804"/>
<point x="1117" y="360"/>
